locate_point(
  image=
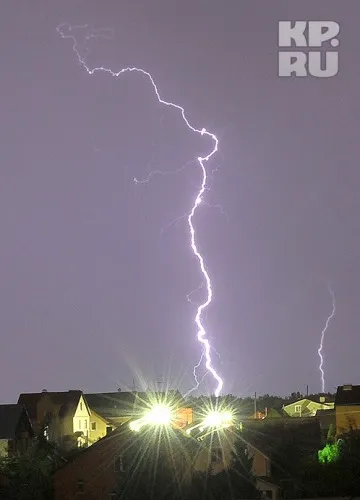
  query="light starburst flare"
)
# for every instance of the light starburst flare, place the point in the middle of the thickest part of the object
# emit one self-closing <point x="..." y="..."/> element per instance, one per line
<point x="67" y="31"/>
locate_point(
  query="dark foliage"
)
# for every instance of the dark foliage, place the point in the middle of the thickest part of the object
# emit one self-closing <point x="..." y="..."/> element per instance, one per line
<point x="29" y="476"/>
<point x="340" y="477"/>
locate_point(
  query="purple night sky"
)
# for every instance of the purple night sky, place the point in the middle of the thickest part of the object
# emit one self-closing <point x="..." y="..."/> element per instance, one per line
<point x="94" y="277"/>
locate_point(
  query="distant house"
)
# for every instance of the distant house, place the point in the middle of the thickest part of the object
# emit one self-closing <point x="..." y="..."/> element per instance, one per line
<point x="16" y="433"/>
<point x="63" y="417"/>
<point x="307" y="407"/>
<point x="347" y="408"/>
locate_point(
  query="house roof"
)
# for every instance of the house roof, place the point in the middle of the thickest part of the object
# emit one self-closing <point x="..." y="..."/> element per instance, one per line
<point x="129" y="404"/>
<point x="64" y="402"/>
<point x="30" y="401"/>
<point x="112" y="404"/>
<point x="302" y="402"/>
<point x="347" y="395"/>
<point x="276" y="413"/>
<point x="98" y="416"/>
<point x="9" y="420"/>
<point x="122" y="431"/>
<point x="305" y="432"/>
<point x="211" y="439"/>
<point x="308" y="406"/>
<point x="146" y="399"/>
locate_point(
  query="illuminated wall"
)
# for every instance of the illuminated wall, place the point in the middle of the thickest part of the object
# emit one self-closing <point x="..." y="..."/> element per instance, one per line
<point x="347" y="418"/>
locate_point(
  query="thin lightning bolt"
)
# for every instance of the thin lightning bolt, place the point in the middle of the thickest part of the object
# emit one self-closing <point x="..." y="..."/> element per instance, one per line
<point x="322" y="339"/>
<point x="162" y="173"/>
<point x="65" y="31"/>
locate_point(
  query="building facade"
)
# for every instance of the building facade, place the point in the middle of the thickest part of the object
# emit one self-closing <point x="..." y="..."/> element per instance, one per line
<point x="347" y="408"/>
<point x="16" y="432"/>
<point x="63" y="417"/>
<point x="306" y="407"/>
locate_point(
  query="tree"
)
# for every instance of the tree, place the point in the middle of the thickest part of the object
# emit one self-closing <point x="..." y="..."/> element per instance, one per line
<point x="337" y="470"/>
<point x="331" y="435"/>
<point x="329" y="454"/>
<point x="29" y="476"/>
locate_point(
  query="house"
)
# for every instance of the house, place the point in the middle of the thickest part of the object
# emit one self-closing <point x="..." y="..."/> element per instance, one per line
<point x="94" y="472"/>
<point x="307" y="407"/>
<point x="347" y="408"/>
<point x="99" y="427"/>
<point x="327" y="420"/>
<point x="217" y="453"/>
<point x="64" y="417"/>
<point x="16" y="433"/>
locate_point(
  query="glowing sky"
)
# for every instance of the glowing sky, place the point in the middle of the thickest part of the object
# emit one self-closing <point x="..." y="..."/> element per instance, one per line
<point x="93" y="290"/>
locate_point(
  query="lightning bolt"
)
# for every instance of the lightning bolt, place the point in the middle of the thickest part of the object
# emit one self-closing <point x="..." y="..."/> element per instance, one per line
<point x="322" y="339"/>
<point x="66" y="31"/>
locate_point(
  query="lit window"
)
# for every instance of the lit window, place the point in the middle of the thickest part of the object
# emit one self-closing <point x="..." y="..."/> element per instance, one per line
<point x="93" y="426"/>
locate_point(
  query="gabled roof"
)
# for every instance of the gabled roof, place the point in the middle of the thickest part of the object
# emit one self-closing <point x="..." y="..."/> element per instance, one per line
<point x="100" y="417"/>
<point x="64" y="402"/>
<point x="30" y="401"/>
<point x="112" y="404"/>
<point x="302" y="402"/>
<point x="231" y="435"/>
<point x="347" y="395"/>
<point x="120" y="432"/>
<point x="306" y="402"/>
<point x="277" y="414"/>
<point x="10" y="416"/>
<point x="146" y="399"/>
<point x="305" y="433"/>
<point x="129" y="404"/>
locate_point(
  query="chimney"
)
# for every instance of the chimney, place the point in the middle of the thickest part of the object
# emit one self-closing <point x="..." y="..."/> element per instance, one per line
<point x="322" y="399"/>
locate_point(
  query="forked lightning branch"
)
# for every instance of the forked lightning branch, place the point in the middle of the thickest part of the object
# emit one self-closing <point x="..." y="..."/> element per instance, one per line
<point x="67" y="31"/>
